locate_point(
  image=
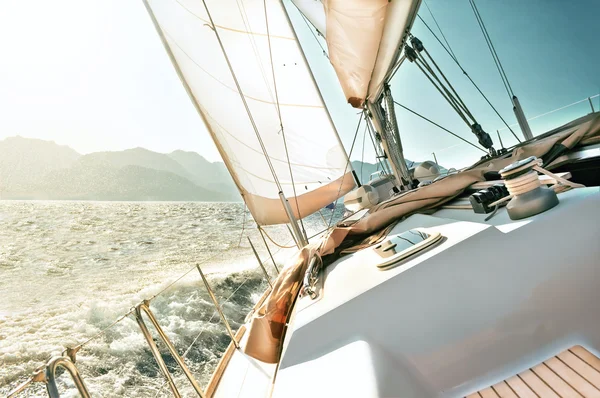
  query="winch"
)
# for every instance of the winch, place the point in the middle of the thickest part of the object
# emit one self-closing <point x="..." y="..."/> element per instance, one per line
<point x="529" y="197"/>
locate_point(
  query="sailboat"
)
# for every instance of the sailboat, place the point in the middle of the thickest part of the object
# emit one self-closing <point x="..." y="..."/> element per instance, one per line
<point x="480" y="283"/>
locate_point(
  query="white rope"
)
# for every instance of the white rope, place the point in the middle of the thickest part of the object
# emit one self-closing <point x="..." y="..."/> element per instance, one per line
<point x="523" y="184"/>
<point x="560" y="180"/>
<point x="530" y="181"/>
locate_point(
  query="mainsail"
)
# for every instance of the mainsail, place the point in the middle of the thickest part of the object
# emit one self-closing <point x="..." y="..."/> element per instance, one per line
<point x="364" y="39"/>
<point x="242" y="66"/>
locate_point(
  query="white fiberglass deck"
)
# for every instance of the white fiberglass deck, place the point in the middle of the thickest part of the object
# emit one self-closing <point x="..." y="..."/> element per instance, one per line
<point x="492" y="300"/>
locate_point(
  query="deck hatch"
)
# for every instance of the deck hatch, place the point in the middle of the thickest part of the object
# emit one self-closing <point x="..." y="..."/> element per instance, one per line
<point x="572" y="373"/>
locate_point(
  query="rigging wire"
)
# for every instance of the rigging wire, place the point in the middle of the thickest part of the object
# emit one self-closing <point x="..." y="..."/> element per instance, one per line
<point x="273" y="241"/>
<point x="243" y="98"/>
<point x="243" y="225"/>
<point x="345" y="168"/>
<point x="251" y="38"/>
<point x="362" y="157"/>
<point x="469" y="77"/>
<point x="308" y="24"/>
<point x="458" y="98"/>
<point x="440" y="29"/>
<point x="443" y="91"/>
<point x="437" y="125"/>
<point x="250" y="116"/>
<point x="490" y="45"/>
<point x="287" y="155"/>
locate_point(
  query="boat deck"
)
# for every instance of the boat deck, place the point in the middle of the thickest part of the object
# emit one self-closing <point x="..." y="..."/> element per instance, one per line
<point x="503" y="298"/>
<point x="572" y="373"/>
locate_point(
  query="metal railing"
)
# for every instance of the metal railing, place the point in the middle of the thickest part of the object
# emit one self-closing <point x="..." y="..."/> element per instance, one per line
<point x="589" y="100"/>
<point x="145" y="307"/>
<point x="47" y="373"/>
<point x="66" y="363"/>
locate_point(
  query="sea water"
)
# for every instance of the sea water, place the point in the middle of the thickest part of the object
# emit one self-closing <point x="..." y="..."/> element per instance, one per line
<point x="68" y="270"/>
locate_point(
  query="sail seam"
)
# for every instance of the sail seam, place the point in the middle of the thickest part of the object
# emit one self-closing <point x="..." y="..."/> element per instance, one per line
<point x="260" y="153"/>
<point x="228" y="28"/>
<point x="282" y="183"/>
<point x="255" y="127"/>
<point x="246" y="20"/>
<point x="172" y="39"/>
<point x="287" y="154"/>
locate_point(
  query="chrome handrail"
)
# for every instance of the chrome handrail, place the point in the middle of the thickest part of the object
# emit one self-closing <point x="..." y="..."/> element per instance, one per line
<point x="66" y="363"/>
<point x="145" y="307"/>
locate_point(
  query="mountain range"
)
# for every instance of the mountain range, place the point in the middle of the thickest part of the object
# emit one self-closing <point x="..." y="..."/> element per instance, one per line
<point x="38" y="169"/>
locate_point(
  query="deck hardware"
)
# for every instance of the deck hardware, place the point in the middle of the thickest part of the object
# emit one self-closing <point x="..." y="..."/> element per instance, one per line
<point x="50" y="376"/>
<point x="145" y="307"/>
<point x="310" y="277"/>
<point x="71" y="352"/>
<point x="300" y="238"/>
<point x="218" y="307"/>
<point x="260" y="263"/>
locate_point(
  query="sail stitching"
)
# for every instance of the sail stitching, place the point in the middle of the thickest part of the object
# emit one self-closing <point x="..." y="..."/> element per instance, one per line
<point x="172" y="39"/>
<point x="246" y="21"/>
<point x="243" y="98"/>
<point x="259" y="152"/>
<point x="228" y="28"/>
<point x="287" y="154"/>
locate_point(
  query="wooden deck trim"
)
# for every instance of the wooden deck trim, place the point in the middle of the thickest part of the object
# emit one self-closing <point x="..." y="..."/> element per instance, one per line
<point x="572" y="373"/>
<point x="218" y="373"/>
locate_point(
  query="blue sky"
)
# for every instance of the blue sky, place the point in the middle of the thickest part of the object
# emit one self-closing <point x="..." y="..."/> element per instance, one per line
<point x="94" y="75"/>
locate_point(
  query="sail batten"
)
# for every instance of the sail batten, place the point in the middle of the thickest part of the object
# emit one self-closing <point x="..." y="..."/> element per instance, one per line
<point x="251" y="85"/>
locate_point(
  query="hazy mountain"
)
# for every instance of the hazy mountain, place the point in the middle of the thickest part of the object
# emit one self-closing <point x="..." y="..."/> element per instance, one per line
<point x="90" y="180"/>
<point x="137" y="157"/>
<point x="36" y="169"/>
<point x="25" y="161"/>
<point x="212" y="176"/>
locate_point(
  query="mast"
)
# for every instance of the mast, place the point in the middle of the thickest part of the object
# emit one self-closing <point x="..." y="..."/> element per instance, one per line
<point x="364" y="60"/>
<point x="387" y="127"/>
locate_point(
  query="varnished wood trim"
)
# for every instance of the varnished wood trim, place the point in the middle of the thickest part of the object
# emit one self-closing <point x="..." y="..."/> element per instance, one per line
<point x="218" y="373"/>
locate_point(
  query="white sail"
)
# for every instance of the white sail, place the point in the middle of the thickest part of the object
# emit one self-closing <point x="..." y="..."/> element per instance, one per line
<point x="314" y="12"/>
<point x="364" y="39"/>
<point x="280" y="100"/>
